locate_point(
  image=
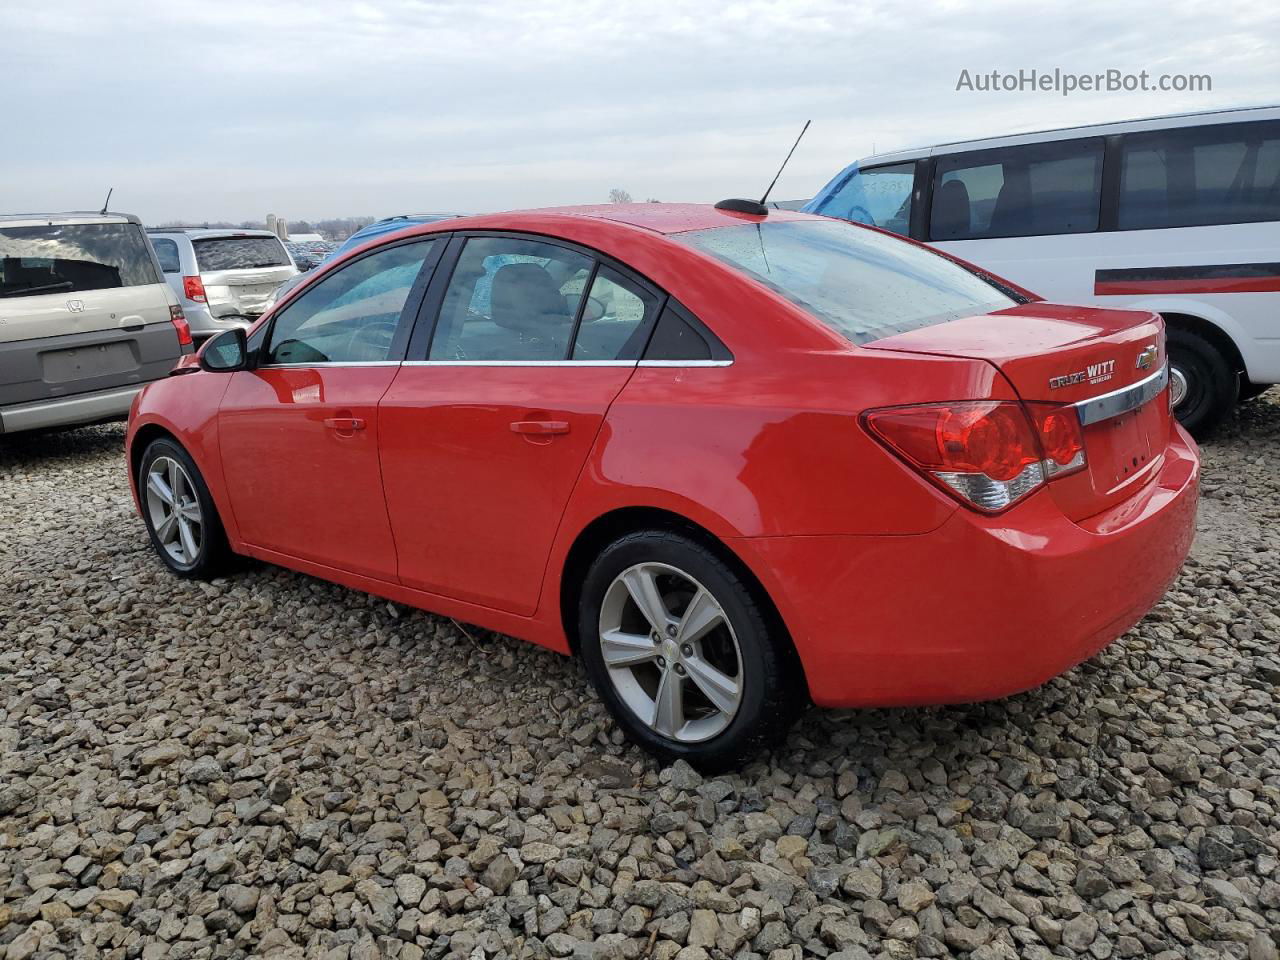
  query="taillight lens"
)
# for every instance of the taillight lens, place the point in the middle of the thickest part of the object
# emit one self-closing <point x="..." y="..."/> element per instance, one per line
<point x="983" y="452"/>
<point x="179" y="321"/>
<point x="1061" y="438"/>
<point x="988" y="453"/>
<point x="193" y="289"/>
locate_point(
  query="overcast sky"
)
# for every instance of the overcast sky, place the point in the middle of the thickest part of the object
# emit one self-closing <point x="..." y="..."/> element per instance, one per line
<point x="230" y="109"/>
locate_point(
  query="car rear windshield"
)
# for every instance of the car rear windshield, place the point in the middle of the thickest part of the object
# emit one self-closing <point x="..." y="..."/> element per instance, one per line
<point x="862" y="284"/>
<point x="239" y="253"/>
<point x="73" y="257"/>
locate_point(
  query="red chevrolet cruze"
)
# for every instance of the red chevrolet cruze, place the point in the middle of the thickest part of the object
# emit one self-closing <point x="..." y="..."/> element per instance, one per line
<point x="736" y="462"/>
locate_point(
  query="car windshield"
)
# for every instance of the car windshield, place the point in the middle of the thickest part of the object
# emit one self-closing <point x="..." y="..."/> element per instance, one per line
<point x="73" y="257"/>
<point x="862" y="284"/>
<point x="239" y="253"/>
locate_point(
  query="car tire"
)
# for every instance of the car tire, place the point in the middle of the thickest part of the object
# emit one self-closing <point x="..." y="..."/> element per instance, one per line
<point x="185" y="529"/>
<point x="1207" y="384"/>
<point x="719" y="685"/>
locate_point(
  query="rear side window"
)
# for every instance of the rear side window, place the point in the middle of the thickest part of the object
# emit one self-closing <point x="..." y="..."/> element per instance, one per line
<point x="72" y="258"/>
<point x="879" y="196"/>
<point x="239" y="253"/>
<point x="1031" y="190"/>
<point x="1197" y="176"/>
<point x="676" y="339"/>
<point x="613" y="323"/>
<point x="864" y="285"/>
<point x="167" y="254"/>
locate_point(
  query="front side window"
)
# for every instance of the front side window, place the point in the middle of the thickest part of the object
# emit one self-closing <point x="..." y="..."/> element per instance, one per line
<point x="73" y="258"/>
<point x="1197" y="176"/>
<point x="1037" y="189"/>
<point x="511" y="299"/>
<point x="879" y="196"/>
<point x="167" y="254"/>
<point x="239" y="253"/>
<point x="862" y="284"/>
<point x="353" y="314"/>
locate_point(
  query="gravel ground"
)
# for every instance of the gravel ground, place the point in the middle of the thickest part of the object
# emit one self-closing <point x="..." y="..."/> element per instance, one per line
<point x="273" y="766"/>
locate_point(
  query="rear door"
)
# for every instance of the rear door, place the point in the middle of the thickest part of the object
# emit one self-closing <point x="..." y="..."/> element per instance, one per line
<point x="487" y="426"/>
<point x="240" y="272"/>
<point x="299" y="433"/>
<point x="82" y="308"/>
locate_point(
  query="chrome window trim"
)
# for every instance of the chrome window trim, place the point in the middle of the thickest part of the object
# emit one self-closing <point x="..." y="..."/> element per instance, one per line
<point x="1108" y="405"/>
<point x="328" y="363"/>
<point x="567" y="363"/>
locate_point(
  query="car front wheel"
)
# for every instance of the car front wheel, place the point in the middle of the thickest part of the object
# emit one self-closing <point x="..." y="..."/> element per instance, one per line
<point x="682" y="654"/>
<point x="180" y="515"/>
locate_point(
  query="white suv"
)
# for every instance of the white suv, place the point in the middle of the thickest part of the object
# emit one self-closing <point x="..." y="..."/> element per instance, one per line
<point x="86" y="319"/>
<point x="223" y="278"/>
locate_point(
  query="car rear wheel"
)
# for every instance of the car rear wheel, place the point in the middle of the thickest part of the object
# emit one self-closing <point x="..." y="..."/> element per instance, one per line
<point x="181" y="518"/>
<point x="682" y="654"/>
<point x="1202" y="384"/>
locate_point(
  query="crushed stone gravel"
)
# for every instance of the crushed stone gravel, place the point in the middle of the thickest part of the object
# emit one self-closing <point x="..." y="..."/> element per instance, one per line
<point x="273" y="766"/>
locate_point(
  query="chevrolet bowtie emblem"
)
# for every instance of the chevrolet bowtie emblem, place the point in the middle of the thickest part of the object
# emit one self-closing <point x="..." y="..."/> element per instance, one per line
<point x="1148" y="357"/>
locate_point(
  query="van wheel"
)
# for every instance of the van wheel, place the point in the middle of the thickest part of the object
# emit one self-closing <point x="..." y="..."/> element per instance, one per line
<point x="181" y="518"/>
<point x="1204" y="387"/>
<point x="681" y="653"/>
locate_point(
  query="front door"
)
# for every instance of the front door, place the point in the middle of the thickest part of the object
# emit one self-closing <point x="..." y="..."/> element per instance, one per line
<point x="299" y="434"/>
<point x="483" y="440"/>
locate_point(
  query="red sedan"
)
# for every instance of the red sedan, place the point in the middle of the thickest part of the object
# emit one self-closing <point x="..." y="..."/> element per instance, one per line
<point x="735" y="462"/>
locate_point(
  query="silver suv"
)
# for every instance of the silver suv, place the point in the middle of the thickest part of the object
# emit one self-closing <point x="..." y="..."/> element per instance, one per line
<point x="223" y="278"/>
<point x="85" y="319"/>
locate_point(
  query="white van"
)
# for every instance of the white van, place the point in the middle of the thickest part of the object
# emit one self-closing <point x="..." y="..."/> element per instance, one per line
<point x="1178" y="214"/>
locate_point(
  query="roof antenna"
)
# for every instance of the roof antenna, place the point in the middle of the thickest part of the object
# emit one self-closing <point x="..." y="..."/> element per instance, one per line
<point x="107" y="202"/>
<point x="757" y="207"/>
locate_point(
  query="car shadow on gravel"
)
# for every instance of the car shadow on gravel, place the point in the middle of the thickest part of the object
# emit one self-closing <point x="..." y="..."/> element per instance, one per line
<point x="42" y="447"/>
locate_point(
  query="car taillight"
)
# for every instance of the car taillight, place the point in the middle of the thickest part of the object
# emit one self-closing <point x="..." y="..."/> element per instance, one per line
<point x="983" y="452"/>
<point x="1061" y="438"/>
<point x="193" y="289"/>
<point x="179" y="321"/>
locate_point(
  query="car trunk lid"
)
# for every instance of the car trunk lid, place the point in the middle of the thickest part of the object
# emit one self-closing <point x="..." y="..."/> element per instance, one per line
<point x="1109" y="363"/>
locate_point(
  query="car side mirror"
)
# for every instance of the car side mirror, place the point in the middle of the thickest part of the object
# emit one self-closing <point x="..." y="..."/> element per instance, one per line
<point x="226" y="352"/>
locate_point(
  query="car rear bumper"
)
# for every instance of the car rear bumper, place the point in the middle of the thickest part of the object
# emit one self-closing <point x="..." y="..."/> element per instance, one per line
<point x="982" y="607"/>
<point x="204" y="324"/>
<point x="81" y="408"/>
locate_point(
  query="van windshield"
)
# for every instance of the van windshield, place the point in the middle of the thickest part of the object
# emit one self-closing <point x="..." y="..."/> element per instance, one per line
<point x="72" y="258"/>
<point x="862" y="284"/>
<point x="239" y="253"/>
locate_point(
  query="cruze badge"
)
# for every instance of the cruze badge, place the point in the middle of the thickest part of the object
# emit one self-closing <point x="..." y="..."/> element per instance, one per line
<point x="75" y="306"/>
<point x="1148" y="356"/>
<point x="1094" y="373"/>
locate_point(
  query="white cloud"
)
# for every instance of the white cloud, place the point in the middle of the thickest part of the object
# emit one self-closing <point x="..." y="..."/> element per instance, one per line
<point x="230" y="108"/>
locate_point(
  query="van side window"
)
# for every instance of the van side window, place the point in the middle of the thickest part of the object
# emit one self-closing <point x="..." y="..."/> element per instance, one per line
<point x="1031" y="190"/>
<point x="1194" y="176"/>
<point x="880" y="196"/>
<point x="167" y="254"/>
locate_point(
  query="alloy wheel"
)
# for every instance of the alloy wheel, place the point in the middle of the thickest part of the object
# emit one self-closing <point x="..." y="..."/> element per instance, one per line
<point x="174" y="510"/>
<point x="671" y="652"/>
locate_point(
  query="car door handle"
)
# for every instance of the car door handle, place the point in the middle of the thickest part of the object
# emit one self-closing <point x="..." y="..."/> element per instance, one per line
<point x="132" y="323"/>
<point x="344" y="424"/>
<point x="540" y="428"/>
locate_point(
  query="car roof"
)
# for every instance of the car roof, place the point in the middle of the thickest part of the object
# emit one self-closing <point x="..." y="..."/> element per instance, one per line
<point x="79" y="216"/>
<point x="205" y="233"/>
<point x="1163" y="121"/>
<point x="664" y="218"/>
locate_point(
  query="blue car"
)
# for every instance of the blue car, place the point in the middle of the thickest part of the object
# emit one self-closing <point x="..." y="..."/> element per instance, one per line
<point x="364" y="235"/>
